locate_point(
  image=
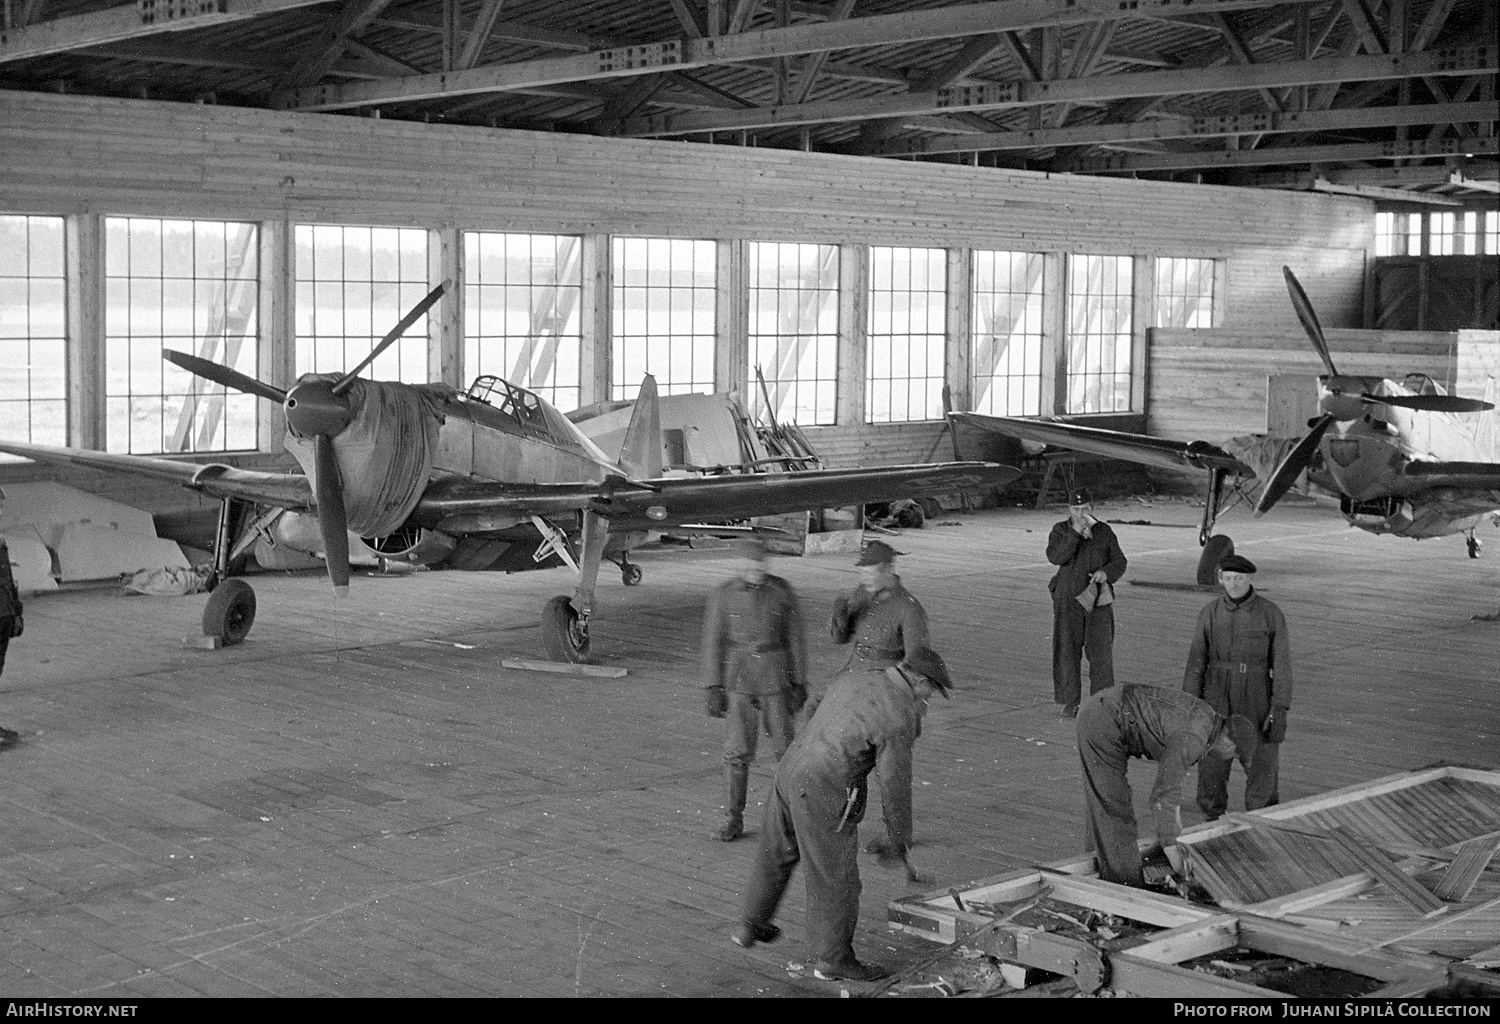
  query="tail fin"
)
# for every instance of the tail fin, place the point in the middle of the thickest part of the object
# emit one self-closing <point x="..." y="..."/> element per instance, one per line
<point x="640" y="454"/>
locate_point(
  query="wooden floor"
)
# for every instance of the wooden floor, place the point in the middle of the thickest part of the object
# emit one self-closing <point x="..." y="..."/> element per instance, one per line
<point x="361" y="801"/>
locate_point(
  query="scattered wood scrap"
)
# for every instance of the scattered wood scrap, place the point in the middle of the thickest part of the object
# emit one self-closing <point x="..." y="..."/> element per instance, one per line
<point x="1469" y="862"/>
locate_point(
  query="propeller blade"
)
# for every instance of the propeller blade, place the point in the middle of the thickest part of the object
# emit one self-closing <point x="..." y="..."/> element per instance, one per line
<point x="1309" y="318"/>
<point x="221" y="374"/>
<point x="332" y="520"/>
<point x="395" y="332"/>
<point x="1291" y="467"/>
<point x="1430" y="403"/>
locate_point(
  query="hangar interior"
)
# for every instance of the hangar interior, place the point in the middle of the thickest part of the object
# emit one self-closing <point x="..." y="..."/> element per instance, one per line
<point x="1049" y="208"/>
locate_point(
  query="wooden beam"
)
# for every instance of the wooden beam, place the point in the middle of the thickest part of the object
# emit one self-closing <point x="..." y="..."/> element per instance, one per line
<point x="687" y="19"/>
<point x="353" y="18"/>
<point x="1472" y="858"/>
<point x="479" y="35"/>
<point x="875" y="30"/>
<point x="1003" y="95"/>
<point x="417" y="20"/>
<point x="812" y="65"/>
<point x="1365" y="27"/>
<point x="1385" y="194"/>
<point x="1194" y="127"/>
<point x="1415" y="149"/>
<point x="1241" y="53"/>
<point x="1432" y="24"/>
<point x="131" y="21"/>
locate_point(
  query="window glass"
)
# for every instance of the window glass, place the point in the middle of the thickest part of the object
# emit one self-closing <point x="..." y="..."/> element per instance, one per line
<point x="1184" y="293"/>
<point x="664" y="314"/>
<point x="906" y="328"/>
<point x="33" y="332"/>
<point x="793" y="330"/>
<point x="1007" y="333"/>
<point x="1099" y="326"/>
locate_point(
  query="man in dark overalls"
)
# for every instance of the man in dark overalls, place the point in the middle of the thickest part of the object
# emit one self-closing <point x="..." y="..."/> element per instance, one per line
<point x="11" y="621"/>
<point x="754" y="669"/>
<point x="867" y="721"/>
<point x="1172" y="728"/>
<point x="1089" y="564"/>
<point x="1241" y="663"/>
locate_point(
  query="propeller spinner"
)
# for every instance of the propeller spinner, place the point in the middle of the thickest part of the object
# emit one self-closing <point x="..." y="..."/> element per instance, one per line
<point x="318" y="410"/>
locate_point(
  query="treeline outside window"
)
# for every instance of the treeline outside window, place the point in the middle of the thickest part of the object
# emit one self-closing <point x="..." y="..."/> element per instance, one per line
<point x="1447" y="233"/>
<point x="905" y="335"/>
<point x="190" y="285"/>
<point x="793" y="331"/>
<point x="33" y="331"/>
<point x="664" y="314"/>
<point x="521" y="311"/>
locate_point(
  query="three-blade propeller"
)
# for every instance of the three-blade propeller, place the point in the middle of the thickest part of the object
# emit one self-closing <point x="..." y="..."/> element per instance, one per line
<point x="318" y="410"/>
<point x="1300" y="457"/>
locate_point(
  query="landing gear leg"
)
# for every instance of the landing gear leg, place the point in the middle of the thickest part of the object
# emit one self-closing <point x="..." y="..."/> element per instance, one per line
<point x="1215" y="548"/>
<point x="565" y="621"/>
<point x="1474" y="544"/>
<point x="230" y="611"/>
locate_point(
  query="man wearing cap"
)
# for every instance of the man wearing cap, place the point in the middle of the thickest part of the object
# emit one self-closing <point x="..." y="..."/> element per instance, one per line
<point x="880" y="617"/>
<point x="868" y="721"/>
<point x="1172" y="728"/>
<point x="754" y="669"/>
<point x="1089" y="564"/>
<point x="11" y="621"/>
<point x="1241" y="664"/>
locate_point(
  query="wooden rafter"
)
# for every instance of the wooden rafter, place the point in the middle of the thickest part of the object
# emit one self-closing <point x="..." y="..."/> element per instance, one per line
<point x="1003" y="95"/>
<point x="689" y="21"/>
<point x="812" y="65"/>
<point x="1412" y="150"/>
<point x="773" y="43"/>
<point x="353" y="18"/>
<point x="478" y="35"/>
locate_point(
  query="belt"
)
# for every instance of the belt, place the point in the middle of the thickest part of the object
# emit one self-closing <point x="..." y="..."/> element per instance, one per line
<point x="871" y="651"/>
<point x="1237" y="666"/>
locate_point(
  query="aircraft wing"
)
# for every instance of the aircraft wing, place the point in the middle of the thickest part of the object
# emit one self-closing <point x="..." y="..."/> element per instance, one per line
<point x="1482" y="476"/>
<point x="1113" y="444"/>
<point x="288" y="490"/>
<point x="672" y="501"/>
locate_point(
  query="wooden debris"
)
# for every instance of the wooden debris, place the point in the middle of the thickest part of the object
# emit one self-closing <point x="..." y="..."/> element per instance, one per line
<point x="1398" y="881"/>
<point x="1472" y="858"/>
<point x="566" y="668"/>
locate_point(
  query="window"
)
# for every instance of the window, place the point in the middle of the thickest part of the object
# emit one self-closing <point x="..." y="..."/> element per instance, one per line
<point x="1410" y="227"/>
<point x="1099" y="333"/>
<point x="1385" y="234"/>
<point x="521" y="319"/>
<point x="794" y="323"/>
<point x="33" y="322"/>
<point x="664" y="322"/>
<point x="1491" y="232"/>
<point x="1469" y="233"/>
<point x="1007" y="333"/>
<point x="353" y="285"/>
<point x="1184" y="293"/>
<point x="907" y="323"/>
<point x="190" y="285"/>
<point x="1440" y="239"/>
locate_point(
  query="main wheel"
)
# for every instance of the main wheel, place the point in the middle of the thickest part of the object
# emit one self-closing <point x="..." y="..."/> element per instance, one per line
<point x="564" y="634"/>
<point x="230" y="611"/>
<point x="1218" y="548"/>
<point x="630" y="574"/>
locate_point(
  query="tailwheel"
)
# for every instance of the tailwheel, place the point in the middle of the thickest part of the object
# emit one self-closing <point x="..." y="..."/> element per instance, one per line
<point x="230" y="611"/>
<point x="565" y="634"/>
<point x="1474" y="545"/>
<point x="1217" y="548"/>
<point x="630" y="574"/>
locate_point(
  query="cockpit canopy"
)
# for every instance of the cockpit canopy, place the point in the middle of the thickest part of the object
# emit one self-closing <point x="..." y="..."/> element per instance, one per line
<point x="516" y="402"/>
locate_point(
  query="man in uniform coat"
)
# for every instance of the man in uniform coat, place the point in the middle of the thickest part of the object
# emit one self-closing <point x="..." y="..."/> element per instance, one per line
<point x="880" y="617"/>
<point x="868" y="721"/>
<point x="1241" y="663"/>
<point x="754" y="669"/>
<point x="1089" y="563"/>
<point x="11" y="622"/>
<point x="1172" y="728"/>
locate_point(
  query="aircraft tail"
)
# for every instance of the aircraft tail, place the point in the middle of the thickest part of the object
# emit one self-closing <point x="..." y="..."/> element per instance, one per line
<point x="640" y="454"/>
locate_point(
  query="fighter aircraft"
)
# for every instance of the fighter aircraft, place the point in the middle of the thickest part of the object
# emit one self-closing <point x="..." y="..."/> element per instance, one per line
<point x="1401" y="456"/>
<point x="420" y="469"/>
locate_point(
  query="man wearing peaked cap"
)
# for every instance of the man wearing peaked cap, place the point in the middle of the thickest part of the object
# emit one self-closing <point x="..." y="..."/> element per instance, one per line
<point x="883" y="621"/>
<point x="1241" y="664"/>
<point x="1089" y="564"/>
<point x="754" y="669"/>
<point x="868" y="721"/>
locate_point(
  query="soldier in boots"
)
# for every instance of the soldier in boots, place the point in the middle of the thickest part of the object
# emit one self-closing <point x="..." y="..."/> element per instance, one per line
<point x="754" y="669"/>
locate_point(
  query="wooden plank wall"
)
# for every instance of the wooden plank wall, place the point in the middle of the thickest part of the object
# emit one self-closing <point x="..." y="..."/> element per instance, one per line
<point x="87" y="155"/>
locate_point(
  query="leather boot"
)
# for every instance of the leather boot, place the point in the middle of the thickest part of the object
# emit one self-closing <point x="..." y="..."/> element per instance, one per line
<point x="737" y="778"/>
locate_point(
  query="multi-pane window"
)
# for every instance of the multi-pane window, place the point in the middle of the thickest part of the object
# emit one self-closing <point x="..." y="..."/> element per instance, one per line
<point x="1440" y="234"/>
<point x="1491" y="232"/>
<point x="1468" y="232"/>
<point x="190" y="285"/>
<point x="1184" y="292"/>
<point x="664" y="318"/>
<point x="33" y="323"/>
<point x="353" y="285"/>
<point x="1007" y="333"/>
<point x="1099" y="333"/>
<point x="1409" y="233"/>
<point x="793" y="330"/>
<point x="1385" y="234"/>
<point x="907" y="323"/>
<point x="521" y="311"/>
